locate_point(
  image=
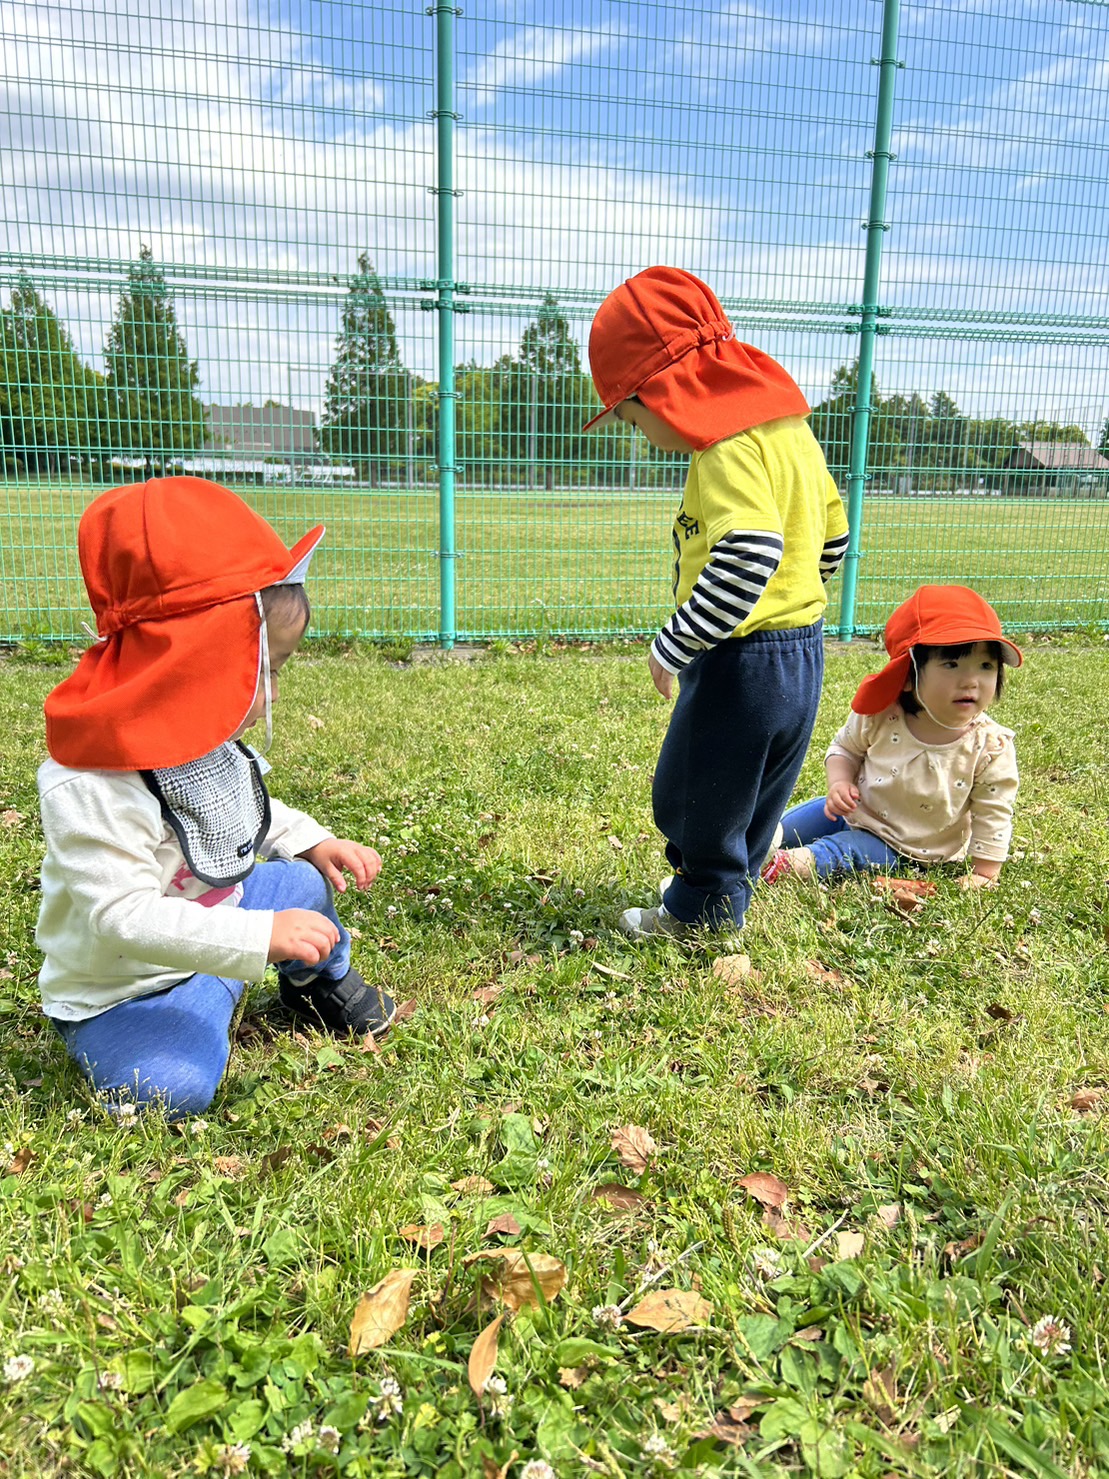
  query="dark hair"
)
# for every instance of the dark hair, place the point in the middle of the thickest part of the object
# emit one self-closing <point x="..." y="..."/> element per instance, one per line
<point x="286" y="603"/>
<point x="924" y="650"/>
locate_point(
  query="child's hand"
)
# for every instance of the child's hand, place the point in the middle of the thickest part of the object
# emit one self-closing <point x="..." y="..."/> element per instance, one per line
<point x="662" y="678"/>
<point x="843" y="797"/>
<point x="971" y="881"/>
<point x="334" y="854"/>
<point x="301" y="934"/>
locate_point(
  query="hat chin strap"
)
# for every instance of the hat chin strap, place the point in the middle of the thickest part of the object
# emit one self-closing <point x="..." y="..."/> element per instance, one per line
<point x="954" y="728"/>
<point x="265" y="640"/>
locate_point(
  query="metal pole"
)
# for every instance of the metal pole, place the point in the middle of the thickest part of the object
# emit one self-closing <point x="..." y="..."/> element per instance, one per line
<point x="876" y="226"/>
<point x="445" y="117"/>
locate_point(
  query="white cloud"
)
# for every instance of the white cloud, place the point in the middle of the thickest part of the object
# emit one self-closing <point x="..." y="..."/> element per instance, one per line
<point x="532" y="58"/>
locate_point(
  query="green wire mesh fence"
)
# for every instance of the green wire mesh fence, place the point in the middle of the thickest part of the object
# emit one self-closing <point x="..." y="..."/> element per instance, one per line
<point x="344" y="257"/>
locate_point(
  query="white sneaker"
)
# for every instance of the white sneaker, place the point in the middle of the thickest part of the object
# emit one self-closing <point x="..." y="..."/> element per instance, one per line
<point x="642" y="924"/>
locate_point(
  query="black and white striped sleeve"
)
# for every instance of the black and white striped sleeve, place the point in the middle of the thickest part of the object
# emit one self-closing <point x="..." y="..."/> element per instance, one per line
<point x="725" y="594"/>
<point x="831" y="556"/>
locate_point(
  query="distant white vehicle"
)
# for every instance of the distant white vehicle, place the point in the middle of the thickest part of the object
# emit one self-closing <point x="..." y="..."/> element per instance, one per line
<point x="329" y="473"/>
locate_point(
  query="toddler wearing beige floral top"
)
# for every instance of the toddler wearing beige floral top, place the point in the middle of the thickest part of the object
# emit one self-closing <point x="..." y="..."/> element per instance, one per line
<point x="919" y="772"/>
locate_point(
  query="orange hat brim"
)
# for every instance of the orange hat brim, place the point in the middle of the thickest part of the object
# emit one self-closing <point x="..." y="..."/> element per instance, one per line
<point x="158" y="693"/>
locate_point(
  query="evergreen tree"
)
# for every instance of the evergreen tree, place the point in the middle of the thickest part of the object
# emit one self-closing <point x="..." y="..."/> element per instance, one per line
<point x="548" y="395"/>
<point x="1103" y="439"/>
<point x="52" y="406"/>
<point x="832" y="421"/>
<point x="367" y="406"/>
<point x="152" y="382"/>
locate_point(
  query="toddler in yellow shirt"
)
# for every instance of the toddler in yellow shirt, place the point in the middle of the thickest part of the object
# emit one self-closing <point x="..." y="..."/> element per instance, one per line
<point x="919" y="773"/>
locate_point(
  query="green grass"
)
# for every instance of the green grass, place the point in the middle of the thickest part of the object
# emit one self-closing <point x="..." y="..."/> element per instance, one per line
<point x="580" y="561"/>
<point x="180" y="1291"/>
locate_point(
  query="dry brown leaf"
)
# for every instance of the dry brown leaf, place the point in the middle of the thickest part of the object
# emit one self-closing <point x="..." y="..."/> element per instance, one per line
<point x="731" y="969"/>
<point x="731" y="1426"/>
<point x="229" y="1165"/>
<point x="824" y="973"/>
<point x="1087" y="1099"/>
<point x="880" y="1394"/>
<point x="505" y="1224"/>
<point x="615" y="843"/>
<point x="619" y="1198"/>
<point x="12" y="818"/>
<point x="487" y="995"/>
<point x="369" y="1044"/>
<point x="634" y="1146"/>
<point x="483" y="1357"/>
<point x="473" y="1186"/>
<point x="674" y="1412"/>
<point x="904" y="905"/>
<point x="607" y="970"/>
<point x="514" y="1280"/>
<point x="784" y="1228"/>
<point x="849" y="1245"/>
<point x="670" y="1310"/>
<point x="182" y="1197"/>
<point x="572" y="1376"/>
<point x="964" y="1246"/>
<point x="490" y="1469"/>
<point x="314" y="722"/>
<point x="343" y="1132"/>
<point x="274" y="1159"/>
<point x="810" y="1334"/>
<point x="920" y="887"/>
<point x="406" y="1010"/>
<point x="765" y="1188"/>
<point x="381" y="1312"/>
<point x="422" y="1237"/>
<point x="889" y="1214"/>
<point x="1000" y="1013"/>
<point x="20" y="1161"/>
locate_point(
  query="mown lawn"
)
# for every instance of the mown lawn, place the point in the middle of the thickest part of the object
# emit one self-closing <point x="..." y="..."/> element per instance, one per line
<point x="928" y="1094"/>
<point x="583" y="562"/>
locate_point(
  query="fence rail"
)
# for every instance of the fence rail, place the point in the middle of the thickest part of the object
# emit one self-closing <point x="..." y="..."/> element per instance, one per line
<point x="350" y="271"/>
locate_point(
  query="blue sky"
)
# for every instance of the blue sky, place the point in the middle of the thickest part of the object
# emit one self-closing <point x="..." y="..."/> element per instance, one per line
<point x="265" y="144"/>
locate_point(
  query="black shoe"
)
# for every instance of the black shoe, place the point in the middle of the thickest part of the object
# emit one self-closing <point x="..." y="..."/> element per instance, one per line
<point x="342" y="1007"/>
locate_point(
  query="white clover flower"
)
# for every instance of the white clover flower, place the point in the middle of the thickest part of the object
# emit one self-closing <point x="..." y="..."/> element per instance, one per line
<point x="234" y="1457"/>
<point x="16" y="1368"/>
<point x="1051" y="1336"/>
<point x="301" y="1434"/>
<point x="577" y="936"/>
<point x="109" y="1381"/>
<point x="538" y="1468"/>
<point x="483" y="1020"/>
<point x="543" y="1163"/>
<point x="391" y="909"/>
<point x="329" y="1438"/>
<point x="104" y="1200"/>
<point x="128" y="1111"/>
<point x="768" y="1263"/>
<point x="656" y="1447"/>
<point x="608" y="1316"/>
<point x="51" y="1300"/>
<point x="390" y="1402"/>
<point x="579" y="893"/>
<point x="75" y="1116"/>
<point x="197" y="1127"/>
<point x="497" y="1385"/>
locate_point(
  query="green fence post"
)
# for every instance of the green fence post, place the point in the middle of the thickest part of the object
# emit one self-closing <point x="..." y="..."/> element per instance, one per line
<point x="875" y="227"/>
<point x="445" y="117"/>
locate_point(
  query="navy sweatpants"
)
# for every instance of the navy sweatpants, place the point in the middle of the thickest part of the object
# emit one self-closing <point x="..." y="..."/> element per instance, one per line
<point x="729" y="762"/>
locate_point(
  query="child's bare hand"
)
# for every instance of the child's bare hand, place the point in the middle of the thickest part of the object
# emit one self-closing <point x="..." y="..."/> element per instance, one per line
<point x="301" y="934"/>
<point x="842" y="799"/>
<point x="334" y="854"/>
<point x="970" y="881"/>
<point x="662" y="678"/>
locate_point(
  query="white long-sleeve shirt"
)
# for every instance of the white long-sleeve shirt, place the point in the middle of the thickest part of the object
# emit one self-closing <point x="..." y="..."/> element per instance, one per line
<point x="122" y="915"/>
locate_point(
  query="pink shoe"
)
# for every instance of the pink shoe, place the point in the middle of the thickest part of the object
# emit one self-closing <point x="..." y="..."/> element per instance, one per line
<point x="780" y="866"/>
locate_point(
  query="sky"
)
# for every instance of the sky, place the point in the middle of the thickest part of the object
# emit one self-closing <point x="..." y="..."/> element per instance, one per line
<point x="257" y="146"/>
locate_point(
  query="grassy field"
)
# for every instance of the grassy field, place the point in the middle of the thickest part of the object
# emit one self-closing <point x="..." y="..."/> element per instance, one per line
<point x="581" y="562"/>
<point x="926" y="1096"/>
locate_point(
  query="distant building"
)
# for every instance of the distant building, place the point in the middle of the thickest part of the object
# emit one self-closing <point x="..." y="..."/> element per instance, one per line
<point x="267" y="431"/>
<point x="1057" y="469"/>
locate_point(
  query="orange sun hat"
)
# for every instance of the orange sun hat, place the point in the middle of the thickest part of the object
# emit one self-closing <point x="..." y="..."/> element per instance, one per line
<point x="172" y="568"/>
<point x="939" y="616"/>
<point x="663" y="336"/>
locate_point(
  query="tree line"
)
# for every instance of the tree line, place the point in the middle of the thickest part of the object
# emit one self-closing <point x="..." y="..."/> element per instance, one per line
<point x="518" y="420"/>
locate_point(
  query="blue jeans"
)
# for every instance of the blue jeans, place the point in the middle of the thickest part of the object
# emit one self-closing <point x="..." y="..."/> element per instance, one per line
<point x="836" y="847"/>
<point x="171" y="1047"/>
<point x="729" y="762"/>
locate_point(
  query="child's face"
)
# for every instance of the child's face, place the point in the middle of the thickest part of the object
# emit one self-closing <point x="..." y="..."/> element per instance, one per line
<point x="659" y="433"/>
<point x="956" y="690"/>
<point x="284" y="635"/>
